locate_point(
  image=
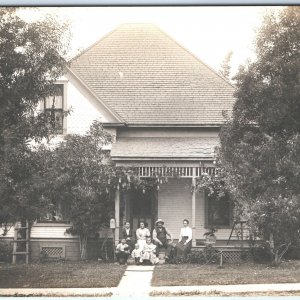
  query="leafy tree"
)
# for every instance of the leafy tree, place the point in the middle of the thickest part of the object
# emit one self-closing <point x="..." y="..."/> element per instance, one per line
<point x="260" y="145"/>
<point x="81" y="176"/>
<point x="31" y="59"/>
<point x="225" y="66"/>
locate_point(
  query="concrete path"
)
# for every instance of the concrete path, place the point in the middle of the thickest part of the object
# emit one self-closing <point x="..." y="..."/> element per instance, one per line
<point x="136" y="282"/>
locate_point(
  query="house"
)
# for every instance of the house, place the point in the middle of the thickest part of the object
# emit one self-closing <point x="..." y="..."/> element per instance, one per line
<point x="164" y="107"/>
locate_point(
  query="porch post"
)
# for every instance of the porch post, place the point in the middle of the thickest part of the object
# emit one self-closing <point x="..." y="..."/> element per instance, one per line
<point x="194" y="207"/>
<point x="117" y="216"/>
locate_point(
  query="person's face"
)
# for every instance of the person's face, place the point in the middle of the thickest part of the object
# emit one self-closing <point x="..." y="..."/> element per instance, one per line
<point x="148" y="241"/>
<point x="127" y="225"/>
<point x="185" y="224"/>
<point x="137" y="247"/>
<point x="159" y="224"/>
<point x="142" y="225"/>
<point x="123" y="241"/>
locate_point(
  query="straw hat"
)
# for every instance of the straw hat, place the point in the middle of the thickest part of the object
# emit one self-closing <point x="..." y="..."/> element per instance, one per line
<point x="159" y="221"/>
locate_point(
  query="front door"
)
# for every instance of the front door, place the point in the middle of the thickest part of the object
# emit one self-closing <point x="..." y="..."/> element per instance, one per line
<point x="143" y="208"/>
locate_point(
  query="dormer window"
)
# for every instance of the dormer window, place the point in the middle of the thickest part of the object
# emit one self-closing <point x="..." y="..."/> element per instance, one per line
<point x="54" y="108"/>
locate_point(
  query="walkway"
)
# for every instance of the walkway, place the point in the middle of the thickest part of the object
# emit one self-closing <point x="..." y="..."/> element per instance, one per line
<point x="136" y="282"/>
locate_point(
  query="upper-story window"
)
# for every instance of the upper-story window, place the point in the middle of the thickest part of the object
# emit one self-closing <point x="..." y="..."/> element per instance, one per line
<point x="54" y="108"/>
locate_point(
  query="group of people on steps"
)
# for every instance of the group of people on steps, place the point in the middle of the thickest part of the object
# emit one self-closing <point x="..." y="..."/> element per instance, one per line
<point x="144" y="248"/>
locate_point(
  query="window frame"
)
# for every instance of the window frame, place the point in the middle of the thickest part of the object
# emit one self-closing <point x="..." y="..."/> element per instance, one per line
<point x="207" y="223"/>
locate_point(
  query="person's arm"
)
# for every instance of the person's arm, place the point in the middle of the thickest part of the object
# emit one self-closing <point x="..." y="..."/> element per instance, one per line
<point x="138" y="235"/>
<point x="189" y="234"/>
<point x="118" y="248"/>
<point x="154" y="236"/>
<point x="180" y="235"/>
<point x="169" y="234"/>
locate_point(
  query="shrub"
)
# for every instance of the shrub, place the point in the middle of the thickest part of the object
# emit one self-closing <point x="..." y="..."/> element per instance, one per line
<point x="5" y="252"/>
<point x="209" y="255"/>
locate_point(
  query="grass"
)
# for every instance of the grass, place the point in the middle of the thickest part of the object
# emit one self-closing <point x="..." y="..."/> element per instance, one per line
<point x="188" y="274"/>
<point x="60" y="275"/>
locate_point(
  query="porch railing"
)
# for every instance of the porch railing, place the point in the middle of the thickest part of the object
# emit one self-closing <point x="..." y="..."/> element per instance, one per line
<point x="186" y="172"/>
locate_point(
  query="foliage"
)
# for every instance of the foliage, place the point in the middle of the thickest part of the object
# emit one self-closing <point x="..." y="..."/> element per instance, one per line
<point x="260" y="145"/>
<point x="31" y="59"/>
<point x="5" y="252"/>
<point x="209" y="255"/>
<point x="225" y="66"/>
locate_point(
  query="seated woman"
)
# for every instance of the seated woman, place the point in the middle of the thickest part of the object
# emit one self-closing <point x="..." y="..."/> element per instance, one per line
<point x="141" y="234"/>
<point x="148" y="254"/>
<point x="122" y="252"/>
<point x="184" y="245"/>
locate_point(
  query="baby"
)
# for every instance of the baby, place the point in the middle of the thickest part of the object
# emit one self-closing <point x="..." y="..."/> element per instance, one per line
<point x="136" y="254"/>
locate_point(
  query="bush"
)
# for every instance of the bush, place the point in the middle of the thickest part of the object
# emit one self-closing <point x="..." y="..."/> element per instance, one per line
<point x="293" y="252"/>
<point x="209" y="255"/>
<point x="5" y="252"/>
<point x="261" y="253"/>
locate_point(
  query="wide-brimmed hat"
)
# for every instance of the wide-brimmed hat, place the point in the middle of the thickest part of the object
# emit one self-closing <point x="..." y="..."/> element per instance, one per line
<point x="159" y="221"/>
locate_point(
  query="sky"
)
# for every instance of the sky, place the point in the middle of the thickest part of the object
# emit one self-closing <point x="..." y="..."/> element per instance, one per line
<point x="208" y="32"/>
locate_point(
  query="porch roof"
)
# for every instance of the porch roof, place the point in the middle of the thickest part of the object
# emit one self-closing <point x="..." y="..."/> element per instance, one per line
<point x="164" y="148"/>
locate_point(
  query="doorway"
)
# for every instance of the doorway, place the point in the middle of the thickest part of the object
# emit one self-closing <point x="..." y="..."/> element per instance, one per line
<point x="143" y="207"/>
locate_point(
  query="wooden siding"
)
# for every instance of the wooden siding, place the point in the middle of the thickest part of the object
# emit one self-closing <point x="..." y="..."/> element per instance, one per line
<point x="175" y="204"/>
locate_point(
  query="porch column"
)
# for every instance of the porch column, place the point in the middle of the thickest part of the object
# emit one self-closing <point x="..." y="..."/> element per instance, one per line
<point x="194" y="207"/>
<point x="117" y="216"/>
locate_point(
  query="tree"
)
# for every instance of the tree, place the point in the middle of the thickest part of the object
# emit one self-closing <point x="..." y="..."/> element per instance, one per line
<point x="31" y="59"/>
<point x="260" y="145"/>
<point x="225" y="66"/>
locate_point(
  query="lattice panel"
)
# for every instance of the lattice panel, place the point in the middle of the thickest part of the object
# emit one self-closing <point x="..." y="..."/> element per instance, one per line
<point x="235" y="256"/>
<point x="53" y="251"/>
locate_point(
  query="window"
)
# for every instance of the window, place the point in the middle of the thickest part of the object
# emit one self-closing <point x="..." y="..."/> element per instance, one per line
<point x="56" y="212"/>
<point x="218" y="211"/>
<point x="54" y="109"/>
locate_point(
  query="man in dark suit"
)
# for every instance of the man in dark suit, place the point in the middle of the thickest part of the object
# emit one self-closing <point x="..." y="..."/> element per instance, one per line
<point x="127" y="234"/>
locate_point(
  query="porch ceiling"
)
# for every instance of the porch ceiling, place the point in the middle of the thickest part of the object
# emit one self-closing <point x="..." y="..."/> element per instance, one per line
<point x="164" y="148"/>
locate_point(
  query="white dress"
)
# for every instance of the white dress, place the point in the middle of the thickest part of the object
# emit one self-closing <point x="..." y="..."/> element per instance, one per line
<point x="141" y="235"/>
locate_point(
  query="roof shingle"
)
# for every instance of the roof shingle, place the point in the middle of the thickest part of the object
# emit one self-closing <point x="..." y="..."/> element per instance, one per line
<point x="147" y="78"/>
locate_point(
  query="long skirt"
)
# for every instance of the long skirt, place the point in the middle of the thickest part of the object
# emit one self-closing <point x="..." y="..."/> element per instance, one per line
<point x="142" y="244"/>
<point x="181" y="249"/>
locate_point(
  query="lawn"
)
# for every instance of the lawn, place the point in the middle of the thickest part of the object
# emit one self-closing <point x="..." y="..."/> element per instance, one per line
<point x="188" y="274"/>
<point x="60" y="275"/>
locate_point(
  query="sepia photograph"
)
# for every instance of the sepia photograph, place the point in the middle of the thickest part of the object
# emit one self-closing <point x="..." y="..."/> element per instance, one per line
<point x="150" y="151"/>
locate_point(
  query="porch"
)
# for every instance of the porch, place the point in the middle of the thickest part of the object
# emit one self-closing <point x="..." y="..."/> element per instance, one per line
<point x="175" y="199"/>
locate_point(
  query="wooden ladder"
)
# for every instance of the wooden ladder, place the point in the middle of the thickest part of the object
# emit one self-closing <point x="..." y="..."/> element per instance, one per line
<point x="17" y="239"/>
<point x="235" y="223"/>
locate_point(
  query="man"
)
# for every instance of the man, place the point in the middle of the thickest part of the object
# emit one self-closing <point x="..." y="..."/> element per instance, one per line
<point x="160" y="237"/>
<point x="127" y="234"/>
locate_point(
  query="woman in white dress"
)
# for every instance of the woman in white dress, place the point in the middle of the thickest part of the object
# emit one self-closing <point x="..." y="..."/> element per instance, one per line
<point x="141" y="234"/>
<point x="185" y="240"/>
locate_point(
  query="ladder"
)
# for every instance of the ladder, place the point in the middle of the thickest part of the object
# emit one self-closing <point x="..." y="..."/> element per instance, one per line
<point x="19" y="237"/>
<point x="235" y="223"/>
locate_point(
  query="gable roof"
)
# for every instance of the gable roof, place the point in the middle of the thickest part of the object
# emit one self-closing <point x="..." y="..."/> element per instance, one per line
<point x="146" y="77"/>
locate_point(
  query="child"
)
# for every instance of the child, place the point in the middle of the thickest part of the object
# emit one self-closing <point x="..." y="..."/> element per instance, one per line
<point x="149" y="253"/>
<point x="122" y="252"/>
<point x="136" y="254"/>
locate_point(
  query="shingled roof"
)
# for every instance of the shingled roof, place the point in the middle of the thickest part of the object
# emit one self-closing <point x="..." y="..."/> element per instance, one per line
<point x="146" y="77"/>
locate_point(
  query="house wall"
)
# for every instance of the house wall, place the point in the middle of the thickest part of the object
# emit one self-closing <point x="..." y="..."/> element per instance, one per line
<point x="175" y="204"/>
